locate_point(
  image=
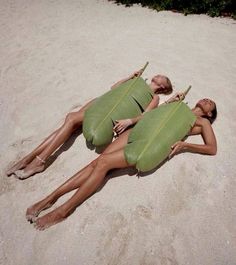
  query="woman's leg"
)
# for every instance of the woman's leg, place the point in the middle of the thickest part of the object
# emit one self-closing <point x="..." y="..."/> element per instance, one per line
<point x="104" y="163"/>
<point x="75" y="181"/>
<point x="72" y="122"/>
<point x="31" y="156"/>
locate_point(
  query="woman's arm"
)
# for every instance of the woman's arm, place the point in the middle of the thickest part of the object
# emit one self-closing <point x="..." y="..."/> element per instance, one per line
<point x="121" y="125"/>
<point x="153" y="104"/>
<point x="126" y="79"/>
<point x="210" y="145"/>
<point x="178" y="96"/>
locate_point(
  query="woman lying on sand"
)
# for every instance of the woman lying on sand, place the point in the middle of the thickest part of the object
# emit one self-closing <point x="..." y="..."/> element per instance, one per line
<point x="90" y="178"/>
<point x="34" y="162"/>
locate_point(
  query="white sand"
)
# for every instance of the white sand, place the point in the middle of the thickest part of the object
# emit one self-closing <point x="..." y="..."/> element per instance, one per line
<point x="56" y="55"/>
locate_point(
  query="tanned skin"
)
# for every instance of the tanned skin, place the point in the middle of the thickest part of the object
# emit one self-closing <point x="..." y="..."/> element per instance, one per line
<point x="90" y="178"/>
<point x="34" y="162"/>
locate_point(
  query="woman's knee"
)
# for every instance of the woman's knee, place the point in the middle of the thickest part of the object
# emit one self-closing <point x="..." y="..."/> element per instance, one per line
<point x="73" y="119"/>
<point x="93" y="164"/>
<point x="103" y="161"/>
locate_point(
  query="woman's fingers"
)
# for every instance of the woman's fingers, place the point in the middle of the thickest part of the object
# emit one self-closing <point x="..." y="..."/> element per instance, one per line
<point x="118" y="127"/>
<point x="175" y="148"/>
<point x="173" y="152"/>
<point x="121" y="131"/>
<point x="115" y="127"/>
<point x="181" y="96"/>
<point x="121" y="125"/>
<point x="137" y="73"/>
<point x="178" y="96"/>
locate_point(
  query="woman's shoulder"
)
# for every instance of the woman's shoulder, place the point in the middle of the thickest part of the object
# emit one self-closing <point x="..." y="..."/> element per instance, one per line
<point x="201" y="121"/>
<point x="199" y="124"/>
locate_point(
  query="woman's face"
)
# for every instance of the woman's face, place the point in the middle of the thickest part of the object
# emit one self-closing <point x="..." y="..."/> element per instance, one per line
<point x="206" y="105"/>
<point x="159" y="82"/>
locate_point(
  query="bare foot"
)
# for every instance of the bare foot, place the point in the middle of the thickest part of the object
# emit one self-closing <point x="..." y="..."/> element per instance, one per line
<point x="49" y="219"/>
<point x="33" y="211"/>
<point x="34" y="167"/>
<point x="19" y="165"/>
<point x="22" y="174"/>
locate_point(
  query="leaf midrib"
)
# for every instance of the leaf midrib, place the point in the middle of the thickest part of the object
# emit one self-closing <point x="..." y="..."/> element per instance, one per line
<point x="130" y="88"/>
<point x="171" y="113"/>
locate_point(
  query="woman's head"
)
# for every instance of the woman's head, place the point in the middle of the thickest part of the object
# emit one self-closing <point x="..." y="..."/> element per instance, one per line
<point x="161" y="84"/>
<point x="208" y="108"/>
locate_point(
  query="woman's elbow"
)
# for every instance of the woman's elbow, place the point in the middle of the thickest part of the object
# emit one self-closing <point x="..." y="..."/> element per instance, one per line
<point x="212" y="150"/>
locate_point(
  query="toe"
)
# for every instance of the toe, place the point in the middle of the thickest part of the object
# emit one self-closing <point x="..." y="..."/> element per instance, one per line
<point x="31" y="218"/>
<point x="37" y="225"/>
<point x="21" y="174"/>
<point x="9" y="172"/>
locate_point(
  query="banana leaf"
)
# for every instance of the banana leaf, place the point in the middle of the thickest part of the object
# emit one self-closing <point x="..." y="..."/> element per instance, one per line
<point x="150" y="141"/>
<point x="128" y="100"/>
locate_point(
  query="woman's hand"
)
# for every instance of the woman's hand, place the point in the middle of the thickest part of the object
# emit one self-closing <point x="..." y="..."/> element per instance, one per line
<point x="178" y="96"/>
<point x="136" y="73"/>
<point x="177" y="147"/>
<point x="121" y="125"/>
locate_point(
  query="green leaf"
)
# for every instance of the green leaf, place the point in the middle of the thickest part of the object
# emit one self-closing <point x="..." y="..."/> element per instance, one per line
<point x="151" y="139"/>
<point x="126" y="101"/>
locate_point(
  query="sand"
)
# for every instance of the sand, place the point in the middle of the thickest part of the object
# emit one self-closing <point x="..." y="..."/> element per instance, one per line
<point x="56" y="56"/>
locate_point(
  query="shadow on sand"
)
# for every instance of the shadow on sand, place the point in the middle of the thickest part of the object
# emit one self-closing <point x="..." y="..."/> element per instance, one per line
<point x="63" y="148"/>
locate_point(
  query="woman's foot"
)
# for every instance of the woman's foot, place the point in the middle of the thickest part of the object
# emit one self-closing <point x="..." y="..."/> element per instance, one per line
<point x="36" y="166"/>
<point x="33" y="211"/>
<point x="19" y="165"/>
<point x="50" y="219"/>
